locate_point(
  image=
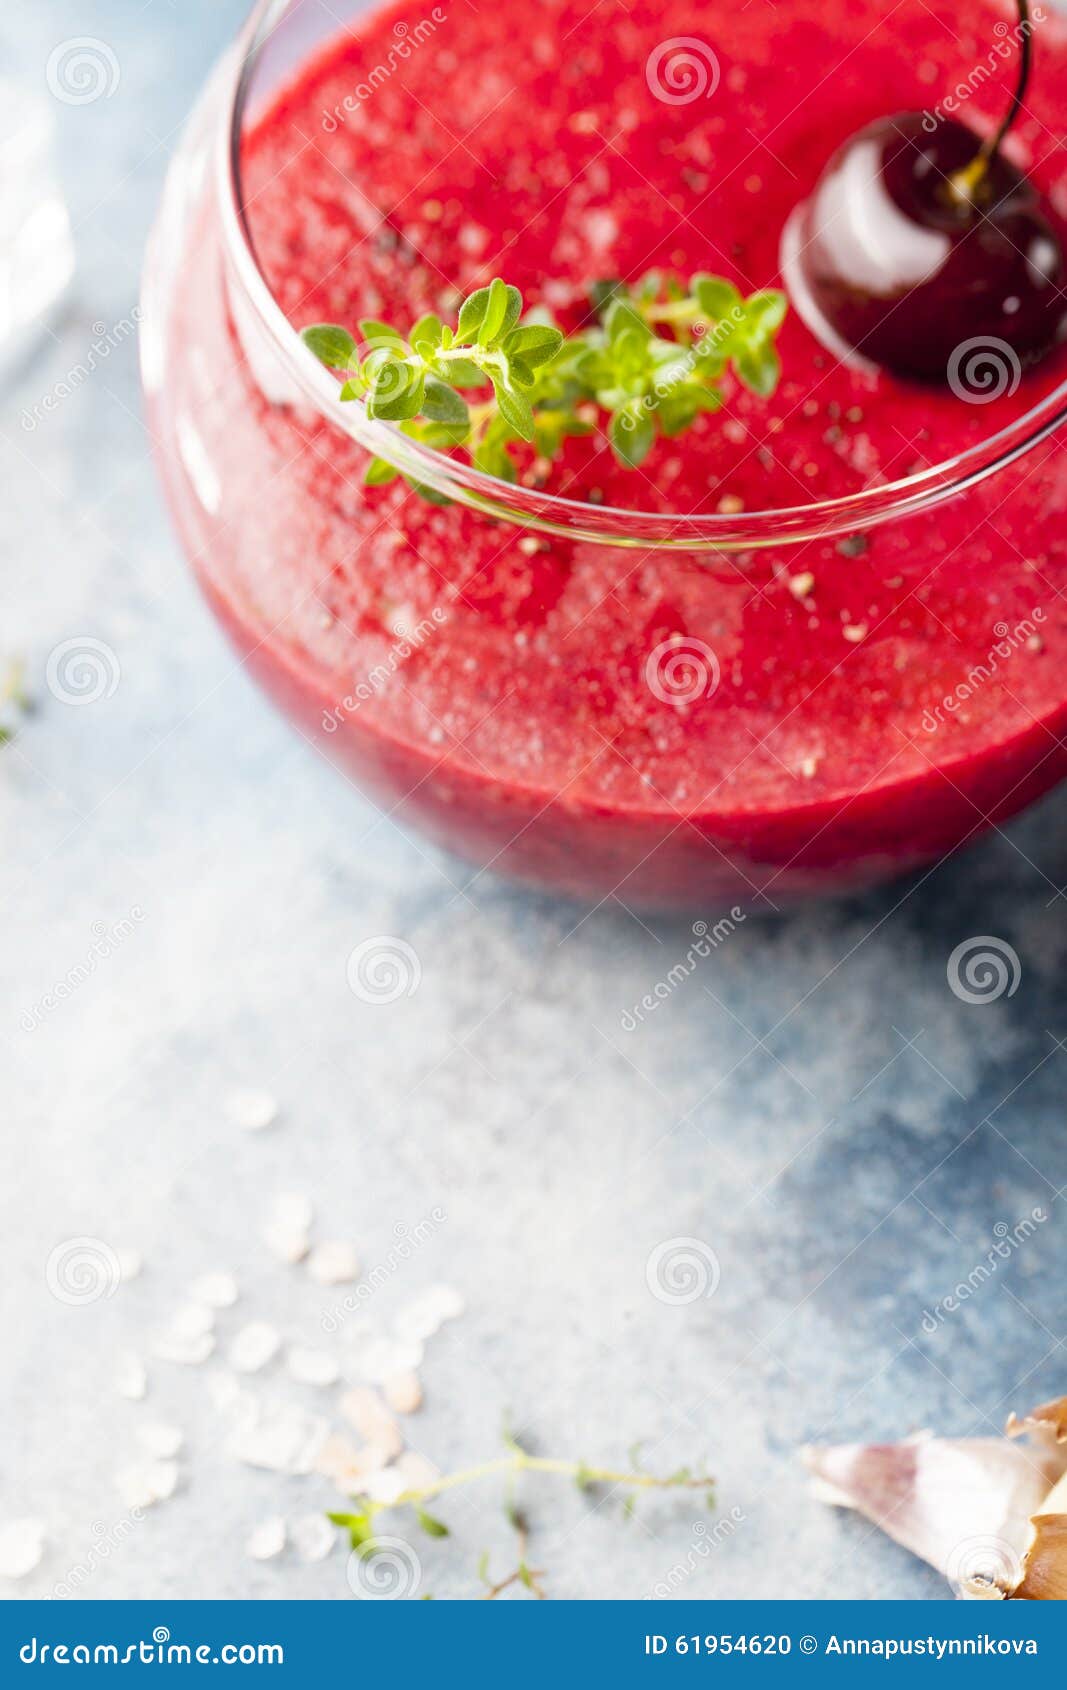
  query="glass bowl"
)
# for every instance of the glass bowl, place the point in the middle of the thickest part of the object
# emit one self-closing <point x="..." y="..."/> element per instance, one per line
<point x="621" y="700"/>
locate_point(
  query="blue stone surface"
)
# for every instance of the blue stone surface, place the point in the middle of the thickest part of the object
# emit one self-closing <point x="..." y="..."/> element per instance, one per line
<point x="842" y="1136"/>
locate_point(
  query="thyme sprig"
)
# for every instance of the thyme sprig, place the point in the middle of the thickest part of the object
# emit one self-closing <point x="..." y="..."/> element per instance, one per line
<point x="362" y="1522"/>
<point x="652" y="361"/>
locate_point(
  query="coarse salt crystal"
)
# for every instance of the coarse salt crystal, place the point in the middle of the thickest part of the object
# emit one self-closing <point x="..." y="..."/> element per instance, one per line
<point x="333" y="1262"/>
<point x="214" y="1290"/>
<point x="131" y="1378"/>
<point x="252" y="1110"/>
<point x="312" y="1367"/>
<point x="367" y="1412"/>
<point x="21" y="1547"/>
<point x="192" y="1320"/>
<point x="266" y="1540"/>
<point x="417" y="1471"/>
<point x="313" y="1537"/>
<point x="255" y="1345"/>
<point x="403" y="1392"/>
<point x="143" y="1483"/>
<point x="291" y="1210"/>
<point x="160" y="1438"/>
<point x="279" y="1438"/>
<point x="289" y="1246"/>
<point x="185" y="1351"/>
<point x="385" y="1486"/>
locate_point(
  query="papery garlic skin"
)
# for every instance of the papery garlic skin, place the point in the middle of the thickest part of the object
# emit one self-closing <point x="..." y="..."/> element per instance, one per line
<point x="988" y="1513"/>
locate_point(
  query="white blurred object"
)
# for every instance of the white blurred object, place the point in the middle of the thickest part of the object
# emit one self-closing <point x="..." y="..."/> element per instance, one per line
<point x="36" y="248"/>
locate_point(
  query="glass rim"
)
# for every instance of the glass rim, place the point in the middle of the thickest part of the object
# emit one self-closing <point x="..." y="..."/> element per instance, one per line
<point x="552" y="513"/>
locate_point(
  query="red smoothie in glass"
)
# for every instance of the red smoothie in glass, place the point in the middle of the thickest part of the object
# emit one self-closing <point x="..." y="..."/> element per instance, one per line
<point x="869" y="703"/>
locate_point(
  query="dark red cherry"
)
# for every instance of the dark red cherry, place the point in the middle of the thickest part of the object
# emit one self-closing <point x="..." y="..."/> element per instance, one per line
<point x="914" y="243"/>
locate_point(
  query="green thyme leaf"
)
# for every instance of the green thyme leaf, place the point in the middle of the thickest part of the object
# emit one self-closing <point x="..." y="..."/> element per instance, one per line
<point x="359" y="1528"/>
<point x="515" y="409"/>
<point x="765" y="312"/>
<point x="759" y="368"/>
<point x="471" y="315"/>
<point x="431" y="1526"/>
<point x="397" y="393"/>
<point x="332" y="345"/>
<point x="535" y="344"/>
<point x="427" y="334"/>
<point x="718" y="299"/>
<point x="651" y="366"/>
<point x="378" y="473"/>
<point x="632" y="434"/>
<point x="443" y="404"/>
<point x="381" y="334"/>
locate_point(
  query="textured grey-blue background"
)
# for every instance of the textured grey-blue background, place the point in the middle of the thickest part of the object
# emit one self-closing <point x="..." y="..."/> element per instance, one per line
<point x="814" y="1103"/>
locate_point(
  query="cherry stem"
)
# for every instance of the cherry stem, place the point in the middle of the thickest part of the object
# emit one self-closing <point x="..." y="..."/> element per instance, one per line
<point x="965" y="182"/>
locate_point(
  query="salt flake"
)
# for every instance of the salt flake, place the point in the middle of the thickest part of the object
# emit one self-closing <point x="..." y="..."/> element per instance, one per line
<point x="266" y="1540"/>
<point x="255" y="1345"/>
<point x="251" y="1110"/>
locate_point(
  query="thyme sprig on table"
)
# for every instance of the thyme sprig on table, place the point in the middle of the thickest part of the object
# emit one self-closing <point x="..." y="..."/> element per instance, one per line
<point x="653" y="361"/>
<point x="362" y="1522"/>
